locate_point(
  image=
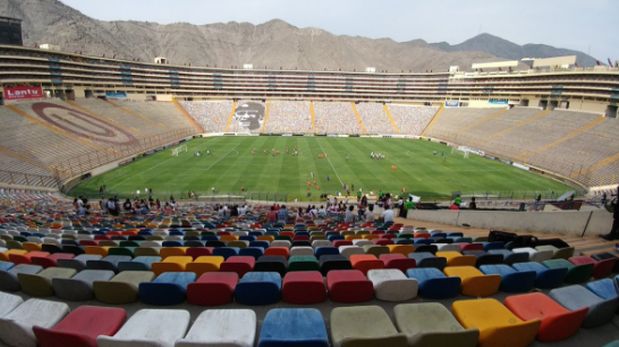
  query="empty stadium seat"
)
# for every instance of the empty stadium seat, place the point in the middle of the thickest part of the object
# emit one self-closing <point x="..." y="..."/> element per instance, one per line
<point x="576" y="297"/>
<point x="557" y="322"/>
<point x="81" y="327"/>
<point x="364" y="326"/>
<point x="392" y="285"/>
<point x="204" y="264"/>
<point x="474" y="282"/>
<point x="497" y="325"/>
<point x="122" y="288"/>
<point x="40" y="283"/>
<point x="79" y="287"/>
<point x="8" y="302"/>
<point x="212" y="288"/>
<point x="304" y="288"/>
<point x="545" y="278"/>
<point x="293" y="327"/>
<point x="16" y="326"/>
<point x="149" y="327"/>
<point x="349" y="286"/>
<point x="433" y="283"/>
<point x="431" y="324"/>
<point x="229" y="327"/>
<point x="575" y="273"/>
<point x="8" y="278"/>
<point x="512" y="280"/>
<point x="169" y="288"/>
<point x="258" y="288"/>
<point x="427" y="259"/>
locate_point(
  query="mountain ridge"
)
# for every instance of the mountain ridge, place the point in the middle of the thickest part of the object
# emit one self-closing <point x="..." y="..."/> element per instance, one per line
<point x="273" y="44"/>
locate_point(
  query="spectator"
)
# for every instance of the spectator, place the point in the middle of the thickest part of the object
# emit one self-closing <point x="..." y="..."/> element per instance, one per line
<point x="614" y="230"/>
<point x="388" y="214"/>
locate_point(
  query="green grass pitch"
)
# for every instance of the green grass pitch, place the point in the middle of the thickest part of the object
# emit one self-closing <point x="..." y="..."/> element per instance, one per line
<point x="427" y="169"/>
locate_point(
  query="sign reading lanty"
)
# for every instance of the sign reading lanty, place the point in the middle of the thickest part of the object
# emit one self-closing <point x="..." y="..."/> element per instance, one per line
<point x="23" y="92"/>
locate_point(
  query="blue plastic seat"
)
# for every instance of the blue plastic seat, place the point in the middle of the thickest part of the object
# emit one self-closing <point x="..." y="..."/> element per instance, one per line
<point x="255" y="252"/>
<point x="169" y="288"/>
<point x="426" y="259"/>
<point x="293" y="327"/>
<point x="6" y="265"/>
<point x="512" y="280"/>
<point x="226" y="252"/>
<point x="141" y="263"/>
<point x="259" y="288"/>
<point x="604" y="288"/>
<point x="434" y="284"/>
<point x="545" y="278"/>
<point x="108" y="263"/>
<point x="510" y="257"/>
<point x="320" y="251"/>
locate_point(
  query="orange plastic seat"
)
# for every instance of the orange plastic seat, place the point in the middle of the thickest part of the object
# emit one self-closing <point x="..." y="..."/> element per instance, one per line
<point x="97" y="250"/>
<point x="558" y="323"/>
<point x="401" y="249"/>
<point x="165" y="252"/>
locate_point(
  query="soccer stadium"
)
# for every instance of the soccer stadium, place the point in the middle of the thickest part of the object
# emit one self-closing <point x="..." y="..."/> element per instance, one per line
<point x="168" y="204"/>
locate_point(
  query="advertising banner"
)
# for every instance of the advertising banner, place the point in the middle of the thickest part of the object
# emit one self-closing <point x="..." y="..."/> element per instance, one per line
<point x="23" y="92"/>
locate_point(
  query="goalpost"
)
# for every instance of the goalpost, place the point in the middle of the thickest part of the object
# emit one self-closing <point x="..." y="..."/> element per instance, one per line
<point x="178" y="150"/>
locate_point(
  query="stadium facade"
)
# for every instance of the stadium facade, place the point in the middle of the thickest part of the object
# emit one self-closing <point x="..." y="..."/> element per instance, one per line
<point x="550" y="93"/>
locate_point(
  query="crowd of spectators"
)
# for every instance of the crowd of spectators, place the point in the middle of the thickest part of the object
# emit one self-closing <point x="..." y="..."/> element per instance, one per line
<point x="335" y="118"/>
<point x="410" y="119"/>
<point x="289" y="117"/>
<point x="375" y="119"/>
<point x="212" y="115"/>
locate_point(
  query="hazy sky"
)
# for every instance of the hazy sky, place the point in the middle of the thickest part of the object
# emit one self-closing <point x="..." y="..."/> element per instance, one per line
<point x="591" y="26"/>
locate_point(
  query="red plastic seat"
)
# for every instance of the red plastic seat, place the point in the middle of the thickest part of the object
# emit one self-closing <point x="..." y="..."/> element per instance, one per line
<point x="212" y="289"/>
<point x="349" y="286"/>
<point x="383" y="241"/>
<point x="558" y="323"/>
<point x="283" y="251"/>
<point x="195" y="252"/>
<point x="240" y="264"/>
<point x="365" y="262"/>
<point x="601" y="268"/>
<point x="26" y="258"/>
<point x="397" y="261"/>
<point x="81" y="327"/>
<point x="50" y="260"/>
<point x="471" y="247"/>
<point x="304" y="288"/>
<point x="338" y="243"/>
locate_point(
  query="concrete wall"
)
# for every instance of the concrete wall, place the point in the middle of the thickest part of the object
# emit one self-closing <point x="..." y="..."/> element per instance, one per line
<point x="572" y="223"/>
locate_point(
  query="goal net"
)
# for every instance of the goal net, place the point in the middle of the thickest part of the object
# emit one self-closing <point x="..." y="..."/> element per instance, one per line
<point x="178" y="150"/>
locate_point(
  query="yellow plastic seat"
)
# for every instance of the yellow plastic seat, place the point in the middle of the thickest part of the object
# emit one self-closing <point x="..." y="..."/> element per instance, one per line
<point x="228" y="238"/>
<point x="165" y="252"/>
<point x="498" y="326"/>
<point x="474" y="282"/>
<point x="5" y="256"/>
<point x="457" y="259"/>
<point x="205" y="263"/>
<point x="171" y="264"/>
<point x="269" y="238"/>
<point x="401" y="249"/>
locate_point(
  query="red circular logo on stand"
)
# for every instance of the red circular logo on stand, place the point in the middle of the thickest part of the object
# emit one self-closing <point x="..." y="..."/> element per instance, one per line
<point x="82" y="124"/>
